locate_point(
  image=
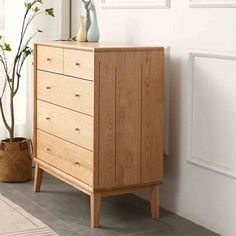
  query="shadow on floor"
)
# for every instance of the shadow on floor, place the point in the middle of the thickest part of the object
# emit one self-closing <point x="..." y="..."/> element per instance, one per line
<point x="66" y="211"/>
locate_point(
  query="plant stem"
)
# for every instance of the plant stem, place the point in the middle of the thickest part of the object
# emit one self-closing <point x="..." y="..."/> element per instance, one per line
<point x="3" y="116"/>
<point x="12" y="128"/>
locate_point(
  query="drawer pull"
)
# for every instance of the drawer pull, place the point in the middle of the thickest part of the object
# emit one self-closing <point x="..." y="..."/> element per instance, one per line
<point x="49" y="59"/>
<point x="48" y="150"/>
<point x="77" y="129"/>
<point x="77" y="95"/>
<point x="77" y="64"/>
<point x="48" y="87"/>
<point x="48" y="118"/>
<point x="77" y="163"/>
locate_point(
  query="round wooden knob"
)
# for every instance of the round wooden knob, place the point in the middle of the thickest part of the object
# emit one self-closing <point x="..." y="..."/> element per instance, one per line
<point x="48" y="118"/>
<point x="48" y="87"/>
<point x="77" y="64"/>
<point x="77" y="163"/>
<point x="49" y="59"/>
<point x="48" y="150"/>
<point x="77" y="95"/>
<point x="77" y="129"/>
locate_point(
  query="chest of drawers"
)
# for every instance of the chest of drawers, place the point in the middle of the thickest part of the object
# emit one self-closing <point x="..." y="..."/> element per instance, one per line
<point x="98" y="112"/>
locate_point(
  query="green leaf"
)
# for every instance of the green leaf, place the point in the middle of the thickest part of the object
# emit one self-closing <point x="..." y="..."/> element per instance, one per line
<point x="6" y="47"/>
<point x="28" y="51"/>
<point x="50" y="12"/>
<point x="28" y="5"/>
<point x="36" y="9"/>
<point x="74" y="38"/>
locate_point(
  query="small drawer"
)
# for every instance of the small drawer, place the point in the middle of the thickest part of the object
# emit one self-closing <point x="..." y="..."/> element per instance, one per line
<point x="65" y="91"/>
<point x="65" y="156"/>
<point x="50" y="59"/>
<point x="69" y="125"/>
<point x="79" y="63"/>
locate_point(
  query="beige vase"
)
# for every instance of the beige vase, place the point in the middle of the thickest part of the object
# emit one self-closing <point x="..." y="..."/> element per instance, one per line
<point x="82" y="35"/>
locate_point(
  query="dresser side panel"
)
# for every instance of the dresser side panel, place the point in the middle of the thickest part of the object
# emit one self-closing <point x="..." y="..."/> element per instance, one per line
<point x="128" y="118"/>
<point x="35" y="103"/>
<point x="152" y="117"/>
<point x="105" y="77"/>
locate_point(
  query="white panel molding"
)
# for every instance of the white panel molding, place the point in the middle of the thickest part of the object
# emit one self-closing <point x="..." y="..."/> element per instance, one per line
<point x="212" y="4"/>
<point x="203" y="161"/>
<point x="127" y="4"/>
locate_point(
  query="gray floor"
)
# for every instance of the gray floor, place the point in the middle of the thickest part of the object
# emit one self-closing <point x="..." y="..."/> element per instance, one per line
<point x="66" y="211"/>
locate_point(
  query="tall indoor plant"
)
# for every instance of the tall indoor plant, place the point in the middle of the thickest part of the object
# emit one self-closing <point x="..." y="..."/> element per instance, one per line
<point x="15" y="160"/>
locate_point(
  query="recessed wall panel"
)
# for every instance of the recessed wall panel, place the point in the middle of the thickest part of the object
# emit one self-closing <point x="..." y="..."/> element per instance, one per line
<point x="213" y="3"/>
<point x="212" y="112"/>
<point x="135" y="3"/>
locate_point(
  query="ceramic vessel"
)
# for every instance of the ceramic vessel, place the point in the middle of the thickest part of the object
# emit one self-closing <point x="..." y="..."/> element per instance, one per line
<point x="88" y="17"/>
<point x="93" y="34"/>
<point x="82" y="35"/>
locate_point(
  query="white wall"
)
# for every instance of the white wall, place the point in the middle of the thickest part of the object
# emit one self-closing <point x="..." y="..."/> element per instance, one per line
<point x="54" y="28"/>
<point x="202" y="103"/>
<point x="1" y="16"/>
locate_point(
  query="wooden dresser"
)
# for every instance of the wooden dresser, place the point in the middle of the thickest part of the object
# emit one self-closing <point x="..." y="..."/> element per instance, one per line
<point x="99" y="118"/>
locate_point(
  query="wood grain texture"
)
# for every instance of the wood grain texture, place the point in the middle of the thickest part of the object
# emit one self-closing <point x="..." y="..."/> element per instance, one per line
<point x="37" y="178"/>
<point x="110" y="140"/>
<point x="85" y="188"/>
<point x="115" y="192"/>
<point x="101" y="46"/>
<point x="155" y="201"/>
<point x="95" y="205"/>
<point x="77" y="93"/>
<point x="50" y="59"/>
<point x="96" y="129"/>
<point x="35" y="103"/>
<point x="128" y="118"/>
<point x="152" y="117"/>
<point x="65" y="156"/>
<point x="79" y="64"/>
<point x="107" y="118"/>
<point x="72" y="126"/>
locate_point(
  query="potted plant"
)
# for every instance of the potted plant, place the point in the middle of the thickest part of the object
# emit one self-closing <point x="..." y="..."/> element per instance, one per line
<point x="15" y="154"/>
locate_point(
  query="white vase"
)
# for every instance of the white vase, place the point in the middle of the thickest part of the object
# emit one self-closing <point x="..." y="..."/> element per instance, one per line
<point x="82" y="35"/>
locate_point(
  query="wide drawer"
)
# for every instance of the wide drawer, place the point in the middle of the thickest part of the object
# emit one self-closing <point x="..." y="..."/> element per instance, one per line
<point x="72" y="126"/>
<point x="50" y="59"/>
<point x="79" y="63"/>
<point x="65" y="91"/>
<point x="65" y="156"/>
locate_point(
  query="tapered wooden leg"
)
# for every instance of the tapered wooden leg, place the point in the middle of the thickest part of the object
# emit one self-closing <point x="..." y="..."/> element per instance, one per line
<point x="95" y="204"/>
<point x="154" y="201"/>
<point x="37" y="178"/>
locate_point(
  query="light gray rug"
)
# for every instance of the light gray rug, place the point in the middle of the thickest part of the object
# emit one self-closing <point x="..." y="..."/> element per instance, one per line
<point x="14" y="221"/>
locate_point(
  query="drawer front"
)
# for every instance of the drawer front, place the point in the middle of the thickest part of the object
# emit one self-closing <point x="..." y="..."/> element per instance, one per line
<point x="65" y="156"/>
<point x="79" y="63"/>
<point x="50" y="59"/>
<point x="72" y="126"/>
<point x="65" y="91"/>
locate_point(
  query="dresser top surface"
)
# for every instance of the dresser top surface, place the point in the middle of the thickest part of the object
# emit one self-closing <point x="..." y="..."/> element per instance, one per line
<point x="101" y="46"/>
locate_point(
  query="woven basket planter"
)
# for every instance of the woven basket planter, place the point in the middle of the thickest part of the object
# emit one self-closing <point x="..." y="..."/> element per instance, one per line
<point x="15" y="160"/>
